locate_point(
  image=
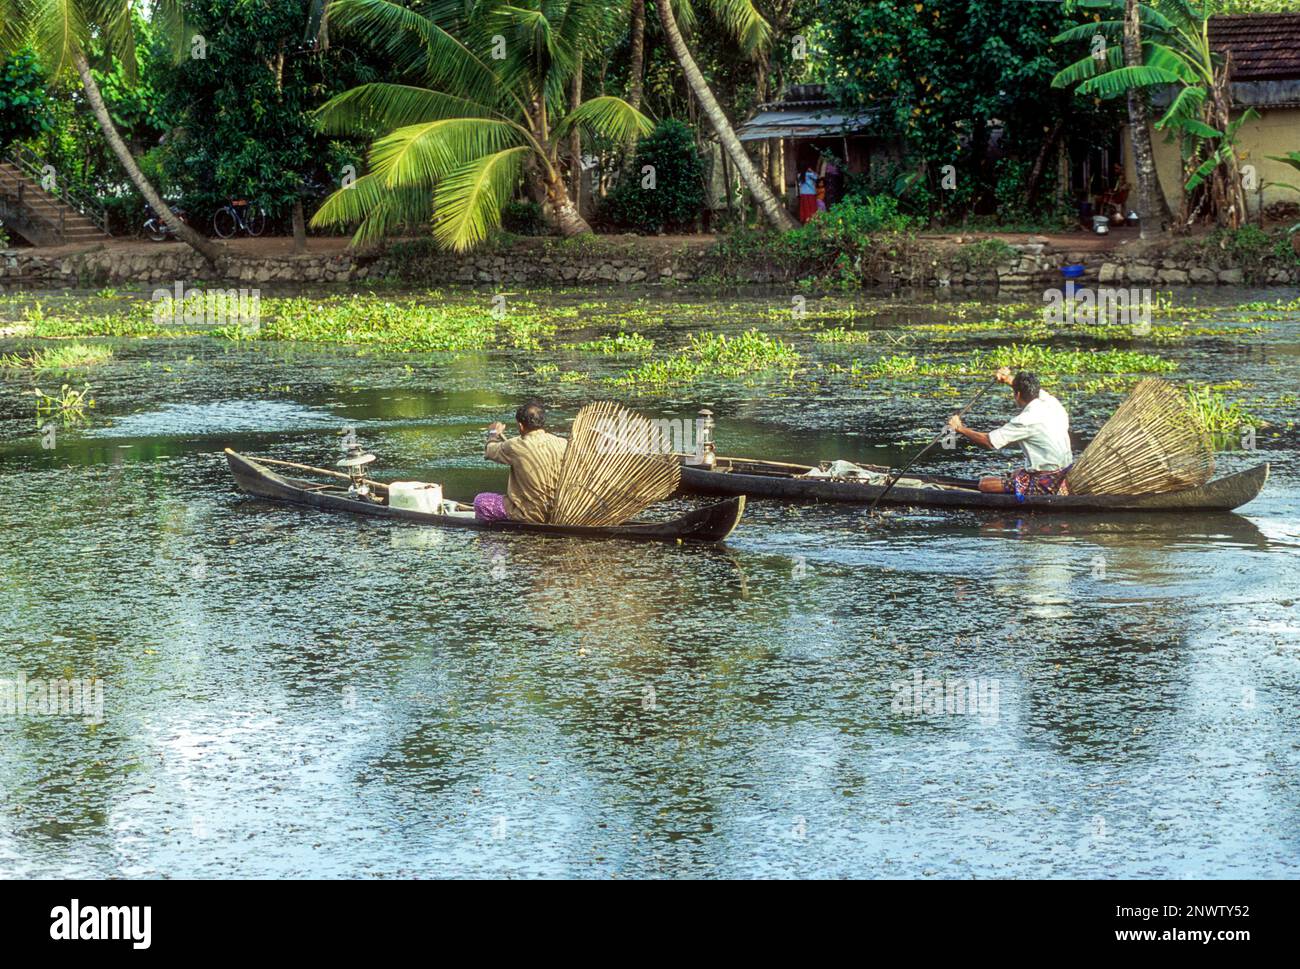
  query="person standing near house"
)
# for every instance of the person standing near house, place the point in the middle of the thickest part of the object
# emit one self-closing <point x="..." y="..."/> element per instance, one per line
<point x="807" y="193"/>
<point x="834" y="179"/>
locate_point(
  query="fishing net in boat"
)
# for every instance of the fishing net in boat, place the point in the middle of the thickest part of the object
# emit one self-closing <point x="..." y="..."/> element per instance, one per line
<point x="1153" y="443"/>
<point x="617" y="464"/>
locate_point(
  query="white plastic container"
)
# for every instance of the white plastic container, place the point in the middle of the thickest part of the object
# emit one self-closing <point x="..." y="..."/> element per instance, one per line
<point x="416" y="496"/>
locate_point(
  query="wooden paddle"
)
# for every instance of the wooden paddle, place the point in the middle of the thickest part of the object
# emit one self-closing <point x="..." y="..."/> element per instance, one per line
<point x="926" y="450"/>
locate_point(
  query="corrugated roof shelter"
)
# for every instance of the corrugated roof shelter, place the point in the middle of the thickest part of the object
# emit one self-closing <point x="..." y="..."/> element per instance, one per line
<point x="804" y="126"/>
<point x="805" y="112"/>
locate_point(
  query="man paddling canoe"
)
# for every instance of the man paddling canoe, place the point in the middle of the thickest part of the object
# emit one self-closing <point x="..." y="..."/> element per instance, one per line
<point x="1042" y="429"/>
<point x="534" y="459"/>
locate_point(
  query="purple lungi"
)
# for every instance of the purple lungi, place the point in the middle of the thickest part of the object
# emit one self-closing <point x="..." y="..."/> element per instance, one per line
<point x="490" y="507"/>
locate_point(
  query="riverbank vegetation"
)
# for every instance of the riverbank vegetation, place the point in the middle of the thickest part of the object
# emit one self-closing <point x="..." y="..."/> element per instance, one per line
<point x="381" y="118"/>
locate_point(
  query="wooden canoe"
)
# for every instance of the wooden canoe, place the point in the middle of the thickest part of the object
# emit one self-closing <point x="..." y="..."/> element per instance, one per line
<point x="711" y="524"/>
<point x="782" y="481"/>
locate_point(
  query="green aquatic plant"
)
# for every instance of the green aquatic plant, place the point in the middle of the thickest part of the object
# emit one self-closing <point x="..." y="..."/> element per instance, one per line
<point x="1035" y="327"/>
<point x="624" y="343"/>
<point x="715" y="354"/>
<point x="399" y="326"/>
<point x="839" y="334"/>
<point x="69" y="405"/>
<point x="1215" y="413"/>
<point x="73" y="356"/>
<point x="137" y="320"/>
<point x="897" y="365"/>
<point x="1040" y="359"/>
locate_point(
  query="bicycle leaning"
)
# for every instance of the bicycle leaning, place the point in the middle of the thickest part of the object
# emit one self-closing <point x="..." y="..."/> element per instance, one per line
<point x="156" y="229"/>
<point x="236" y="215"/>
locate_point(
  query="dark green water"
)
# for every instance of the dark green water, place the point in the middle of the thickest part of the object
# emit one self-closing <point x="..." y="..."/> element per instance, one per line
<point x="288" y="693"/>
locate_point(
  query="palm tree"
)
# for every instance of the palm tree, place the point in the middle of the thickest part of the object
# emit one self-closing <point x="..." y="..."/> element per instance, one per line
<point x="635" y="71"/>
<point x="1150" y="195"/>
<point x="488" y="79"/>
<point x="62" y="33"/>
<point x="742" y="20"/>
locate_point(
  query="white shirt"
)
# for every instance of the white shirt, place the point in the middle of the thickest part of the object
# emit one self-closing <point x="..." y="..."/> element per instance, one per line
<point x="1042" y="430"/>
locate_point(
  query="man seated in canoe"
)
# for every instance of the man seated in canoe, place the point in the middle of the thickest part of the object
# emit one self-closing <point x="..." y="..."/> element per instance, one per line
<point x="534" y="459"/>
<point x="1042" y="429"/>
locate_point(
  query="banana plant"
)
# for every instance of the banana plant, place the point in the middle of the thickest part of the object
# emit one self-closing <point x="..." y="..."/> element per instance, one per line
<point x="479" y="103"/>
<point x="1175" y="53"/>
<point x="1291" y="158"/>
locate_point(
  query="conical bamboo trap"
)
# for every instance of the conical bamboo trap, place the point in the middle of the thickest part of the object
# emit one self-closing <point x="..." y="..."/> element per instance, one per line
<point x="1152" y="444"/>
<point x="617" y="464"/>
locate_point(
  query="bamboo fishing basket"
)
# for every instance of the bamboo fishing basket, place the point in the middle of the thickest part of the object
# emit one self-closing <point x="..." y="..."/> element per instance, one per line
<point x="1152" y="444"/>
<point x="617" y="464"/>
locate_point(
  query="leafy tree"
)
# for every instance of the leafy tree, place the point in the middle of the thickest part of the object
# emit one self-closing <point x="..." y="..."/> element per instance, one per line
<point x="944" y="75"/>
<point x="483" y="100"/>
<point x="241" y="115"/>
<point x="665" y="187"/>
<point x="24" y="104"/>
<point x="64" y="35"/>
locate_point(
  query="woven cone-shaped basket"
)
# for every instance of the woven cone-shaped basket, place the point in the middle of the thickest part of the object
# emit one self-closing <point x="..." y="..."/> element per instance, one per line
<point x="617" y="464"/>
<point x="1152" y="444"/>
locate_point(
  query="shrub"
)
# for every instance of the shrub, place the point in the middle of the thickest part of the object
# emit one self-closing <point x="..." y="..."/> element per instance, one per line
<point x="677" y="196"/>
<point x="984" y="254"/>
<point x="853" y="241"/>
<point x="523" y="219"/>
<point x="847" y="222"/>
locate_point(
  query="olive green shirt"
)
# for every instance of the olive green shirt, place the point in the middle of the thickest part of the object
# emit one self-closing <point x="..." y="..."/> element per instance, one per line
<point x="534" y="460"/>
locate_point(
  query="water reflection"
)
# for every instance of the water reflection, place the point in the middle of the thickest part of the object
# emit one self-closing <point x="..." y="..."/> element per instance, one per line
<point x="292" y="693"/>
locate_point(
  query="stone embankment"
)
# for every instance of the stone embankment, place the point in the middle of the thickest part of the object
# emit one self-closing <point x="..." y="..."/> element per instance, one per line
<point x="606" y="261"/>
